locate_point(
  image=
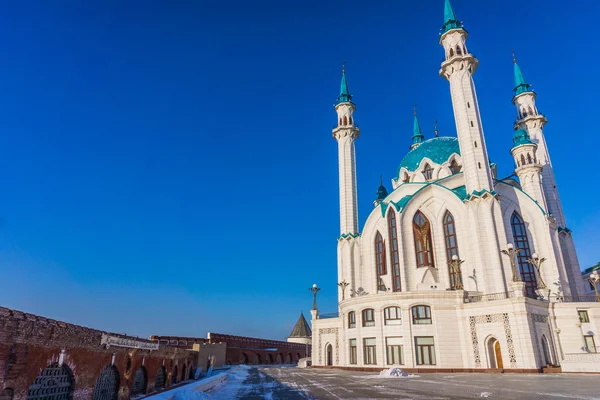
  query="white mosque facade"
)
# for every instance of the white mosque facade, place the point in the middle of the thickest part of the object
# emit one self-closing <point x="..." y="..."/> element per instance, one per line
<point x="456" y="269"/>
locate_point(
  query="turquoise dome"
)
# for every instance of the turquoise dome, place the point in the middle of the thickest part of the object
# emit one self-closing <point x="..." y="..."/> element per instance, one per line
<point x="438" y="150"/>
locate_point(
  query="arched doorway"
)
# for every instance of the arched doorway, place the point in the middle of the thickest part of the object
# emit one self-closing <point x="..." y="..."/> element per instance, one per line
<point x="257" y="359"/>
<point x="329" y="353"/>
<point x="183" y="372"/>
<point x="546" y="350"/>
<point x="270" y="357"/>
<point x="494" y="353"/>
<point x="55" y="382"/>
<point x="107" y="385"/>
<point x="140" y="380"/>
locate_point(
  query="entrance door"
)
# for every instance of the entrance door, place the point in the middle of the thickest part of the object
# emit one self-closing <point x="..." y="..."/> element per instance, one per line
<point x="329" y="355"/>
<point x="498" y="354"/>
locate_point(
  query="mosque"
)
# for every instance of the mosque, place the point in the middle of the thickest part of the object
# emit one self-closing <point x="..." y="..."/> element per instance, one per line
<point x="456" y="268"/>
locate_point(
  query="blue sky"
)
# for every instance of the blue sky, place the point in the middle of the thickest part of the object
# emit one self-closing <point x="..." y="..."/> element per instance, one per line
<point x="168" y="167"/>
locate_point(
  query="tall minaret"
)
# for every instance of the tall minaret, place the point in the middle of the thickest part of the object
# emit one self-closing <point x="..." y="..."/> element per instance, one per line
<point x="345" y="134"/>
<point x="458" y="68"/>
<point x="530" y="119"/>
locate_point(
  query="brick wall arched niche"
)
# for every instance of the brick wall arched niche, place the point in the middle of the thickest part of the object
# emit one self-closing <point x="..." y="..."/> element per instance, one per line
<point x="39" y="354"/>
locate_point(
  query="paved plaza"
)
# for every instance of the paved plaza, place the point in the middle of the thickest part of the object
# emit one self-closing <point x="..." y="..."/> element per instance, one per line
<point x="295" y="383"/>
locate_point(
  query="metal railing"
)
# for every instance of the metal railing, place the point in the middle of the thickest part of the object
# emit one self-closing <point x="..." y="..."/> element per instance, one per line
<point x="329" y="315"/>
<point x="488" y="297"/>
<point x="591" y="298"/>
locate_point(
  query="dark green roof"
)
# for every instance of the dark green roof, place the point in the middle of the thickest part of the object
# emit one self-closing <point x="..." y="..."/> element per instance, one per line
<point x="438" y="150"/>
<point x="592" y="268"/>
<point x="450" y="21"/>
<point x="521" y="86"/>
<point x="301" y="330"/>
<point x="345" y="95"/>
<point x="381" y="192"/>
<point x="521" y="137"/>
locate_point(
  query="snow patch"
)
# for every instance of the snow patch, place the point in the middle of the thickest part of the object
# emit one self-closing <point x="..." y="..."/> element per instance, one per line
<point x="395" y="373"/>
<point x="485" y="394"/>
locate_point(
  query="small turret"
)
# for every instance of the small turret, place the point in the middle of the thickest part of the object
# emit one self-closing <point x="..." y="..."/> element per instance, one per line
<point x="301" y="332"/>
<point x="382" y="193"/>
<point x="417" y="137"/>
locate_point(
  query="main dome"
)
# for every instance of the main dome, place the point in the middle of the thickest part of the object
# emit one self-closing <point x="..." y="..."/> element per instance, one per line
<point x="438" y="150"/>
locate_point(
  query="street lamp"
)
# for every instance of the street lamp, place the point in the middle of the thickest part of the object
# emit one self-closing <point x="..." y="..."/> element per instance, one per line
<point x="537" y="263"/>
<point x="456" y="272"/>
<point x="343" y="285"/>
<point x="594" y="280"/>
<point x="314" y="289"/>
<point x="511" y="252"/>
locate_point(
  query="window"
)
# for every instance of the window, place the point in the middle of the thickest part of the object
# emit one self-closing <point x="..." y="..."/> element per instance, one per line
<point x="475" y="143"/>
<point x="353" y="358"/>
<point x="589" y="343"/>
<point x="451" y="53"/>
<point x="421" y="315"/>
<point x="468" y="105"/>
<point x="454" y="167"/>
<point x="345" y="120"/>
<point x="479" y="165"/>
<point x="425" y="350"/>
<point x="451" y="248"/>
<point x="392" y="316"/>
<point x="583" y="316"/>
<point x="369" y="350"/>
<point x="368" y="317"/>
<point x="394" y="351"/>
<point x="393" y="236"/>
<point x="406" y="178"/>
<point x="522" y="242"/>
<point x="472" y="124"/>
<point x="380" y="255"/>
<point x="422" y="233"/>
<point x="427" y="172"/>
<point x="458" y="51"/>
<point x="351" y="319"/>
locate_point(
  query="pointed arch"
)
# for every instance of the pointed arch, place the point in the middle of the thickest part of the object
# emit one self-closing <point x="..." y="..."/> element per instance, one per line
<point x="526" y="270"/>
<point x="55" y="382"/>
<point x="451" y="52"/>
<point x="427" y="172"/>
<point x="458" y="50"/>
<point x="522" y="159"/>
<point x="531" y="111"/>
<point x="455" y="168"/>
<point x="529" y="160"/>
<point x="451" y="249"/>
<point x="345" y="120"/>
<point x="423" y="242"/>
<point x="405" y="177"/>
<point x="395" y="256"/>
<point x="380" y="260"/>
<point x="107" y="384"/>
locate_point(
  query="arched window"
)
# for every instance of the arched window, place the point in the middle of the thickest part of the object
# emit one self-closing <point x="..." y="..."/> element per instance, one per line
<point x="454" y="167"/>
<point x="524" y="112"/>
<point x="423" y="243"/>
<point x="351" y="120"/>
<point x="427" y="172"/>
<point x="519" y="232"/>
<point x="161" y="379"/>
<point x="340" y="121"/>
<point x="405" y="177"/>
<point x="392" y="316"/>
<point x="421" y="315"/>
<point x="458" y="50"/>
<point x="183" y="372"/>
<point x="522" y="159"/>
<point x="451" y="248"/>
<point x="451" y="53"/>
<point x="107" y="385"/>
<point x="345" y="120"/>
<point x="54" y="382"/>
<point x="380" y="255"/>
<point x="351" y="319"/>
<point x="529" y="160"/>
<point x="464" y="49"/>
<point x="531" y="111"/>
<point x="176" y="370"/>
<point x="393" y="237"/>
<point x="368" y="317"/>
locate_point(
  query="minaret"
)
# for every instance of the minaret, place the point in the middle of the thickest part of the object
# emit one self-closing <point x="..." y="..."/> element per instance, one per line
<point x="530" y="119"/>
<point x="345" y="134"/>
<point x="458" y="68"/>
<point x="528" y="167"/>
<point x="417" y="137"/>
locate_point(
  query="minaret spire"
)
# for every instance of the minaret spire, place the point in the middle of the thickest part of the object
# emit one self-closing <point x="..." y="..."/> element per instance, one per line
<point x="417" y="137"/>
<point x="345" y="95"/>
<point x="450" y="21"/>
<point x="521" y="85"/>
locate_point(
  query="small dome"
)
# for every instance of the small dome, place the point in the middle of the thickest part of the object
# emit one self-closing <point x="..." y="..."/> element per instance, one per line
<point x="438" y="150"/>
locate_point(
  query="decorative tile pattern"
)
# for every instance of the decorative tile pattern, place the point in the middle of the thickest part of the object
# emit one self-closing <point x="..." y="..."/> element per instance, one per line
<point x="337" y="344"/>
<point x="488" y="318"/>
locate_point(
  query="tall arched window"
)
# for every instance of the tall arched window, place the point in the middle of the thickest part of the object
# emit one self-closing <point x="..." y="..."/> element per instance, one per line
<point x="423" y="243"/>
<point x="454" y="167"/>
<point x="345" y="120"/>
<point x="529" y="160"/>
<point x="451" y="52"/>
<point x="458" y="50"/>
<point x="393" y="236"/>
<point x="522" y="242"/>
<point x="427" y="172"/>
<point x="522" y="159"/>
<point x="380" y="255"/>
<point x="451" y="247"/>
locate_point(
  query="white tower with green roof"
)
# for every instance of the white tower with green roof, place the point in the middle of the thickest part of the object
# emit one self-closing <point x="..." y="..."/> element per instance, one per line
<point x="458" y="68"/>
<point x="531" y="120"/>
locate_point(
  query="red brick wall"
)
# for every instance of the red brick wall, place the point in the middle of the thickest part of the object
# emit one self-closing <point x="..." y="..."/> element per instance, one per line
<point x="29" y="343"/>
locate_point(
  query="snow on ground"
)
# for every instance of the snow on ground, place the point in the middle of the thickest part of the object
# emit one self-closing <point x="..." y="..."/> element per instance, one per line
<point x="233" y="384"/>
<point x="188" y="391"/>
<point x="395" y="373"/>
